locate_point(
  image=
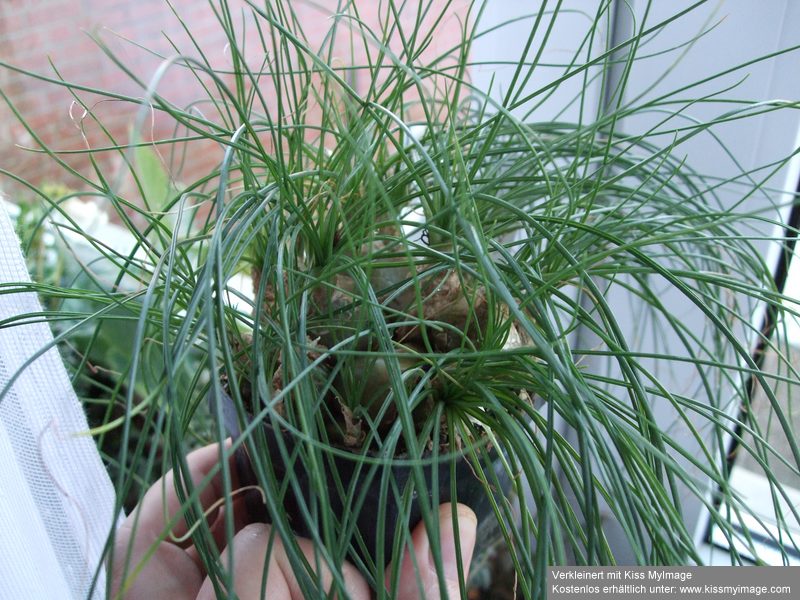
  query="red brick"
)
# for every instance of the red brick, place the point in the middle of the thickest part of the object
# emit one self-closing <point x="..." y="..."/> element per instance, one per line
<point x="30" y="31"/>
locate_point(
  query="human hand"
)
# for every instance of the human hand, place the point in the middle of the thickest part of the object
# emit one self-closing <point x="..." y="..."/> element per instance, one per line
<point x="175" y="571"/>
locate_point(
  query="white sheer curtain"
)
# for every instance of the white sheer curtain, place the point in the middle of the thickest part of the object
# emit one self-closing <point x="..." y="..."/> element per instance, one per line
<point x="56" y="500"/>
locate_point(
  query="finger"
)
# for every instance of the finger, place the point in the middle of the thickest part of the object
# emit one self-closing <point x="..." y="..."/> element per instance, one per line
<point x="161" y="502"/>
<point x="138" y="562"/>
<point x="255" y="549"/>
<point x="218" y="527"/>
<point x="418" y="576"/>
<point x="168" y="573"/>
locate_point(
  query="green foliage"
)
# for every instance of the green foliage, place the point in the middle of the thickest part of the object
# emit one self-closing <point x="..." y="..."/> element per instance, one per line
<point x="153" y="177"/>
<point x="433" y="276"/>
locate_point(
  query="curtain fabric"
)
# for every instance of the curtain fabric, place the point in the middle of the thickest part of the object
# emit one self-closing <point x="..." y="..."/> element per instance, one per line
<point x="56" y="499"/>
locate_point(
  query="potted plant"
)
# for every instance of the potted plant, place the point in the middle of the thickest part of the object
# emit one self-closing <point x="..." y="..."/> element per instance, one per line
<point x="418" y="260"/>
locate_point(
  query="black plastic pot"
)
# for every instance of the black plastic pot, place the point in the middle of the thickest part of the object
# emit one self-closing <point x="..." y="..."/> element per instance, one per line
<point x="469" y="489"/>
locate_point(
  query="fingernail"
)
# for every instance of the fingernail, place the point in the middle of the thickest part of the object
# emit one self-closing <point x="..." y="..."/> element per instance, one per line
<point x="467" y="527"/>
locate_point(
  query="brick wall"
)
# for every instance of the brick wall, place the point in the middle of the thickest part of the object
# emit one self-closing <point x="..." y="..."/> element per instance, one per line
<point x="34" y="32"/>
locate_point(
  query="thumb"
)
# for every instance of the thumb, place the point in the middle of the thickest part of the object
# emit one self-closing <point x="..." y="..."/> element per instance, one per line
<point x="453" y="540"/>
<point x="418" y="577"/>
